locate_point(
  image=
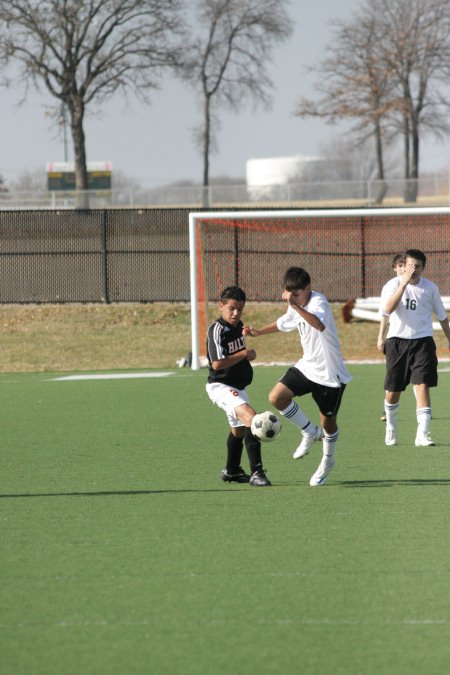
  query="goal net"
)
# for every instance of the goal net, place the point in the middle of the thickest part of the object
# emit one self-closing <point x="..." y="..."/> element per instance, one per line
<point x="347" y="252"/>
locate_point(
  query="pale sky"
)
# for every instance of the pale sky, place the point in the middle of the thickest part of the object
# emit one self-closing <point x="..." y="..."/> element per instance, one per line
<point x="154" y="144"/>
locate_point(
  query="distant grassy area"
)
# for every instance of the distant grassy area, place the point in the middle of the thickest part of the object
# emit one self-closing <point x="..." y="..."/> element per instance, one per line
<point x="43" y="338"/>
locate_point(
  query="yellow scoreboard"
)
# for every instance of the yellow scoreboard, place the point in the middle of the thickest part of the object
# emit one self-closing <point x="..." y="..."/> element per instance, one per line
<point x="61" y="176"/>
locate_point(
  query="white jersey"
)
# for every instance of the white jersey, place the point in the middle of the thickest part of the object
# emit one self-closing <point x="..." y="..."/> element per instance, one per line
<point x="413" y="316"/>
<point x="322" y="360"/>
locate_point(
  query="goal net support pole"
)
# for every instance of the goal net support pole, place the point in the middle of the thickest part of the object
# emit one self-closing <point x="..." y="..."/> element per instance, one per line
<point x="195" y="347"/>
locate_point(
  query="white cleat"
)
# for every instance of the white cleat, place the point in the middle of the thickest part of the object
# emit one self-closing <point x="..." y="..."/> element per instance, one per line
<point x="424" y="440"/>
<point x="324" y="468"/>
<point x="307" y="441"/>
<point x="390" y="437"/>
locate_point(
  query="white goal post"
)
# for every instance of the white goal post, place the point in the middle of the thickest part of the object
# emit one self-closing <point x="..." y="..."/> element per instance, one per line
<point x="396" y="229"/>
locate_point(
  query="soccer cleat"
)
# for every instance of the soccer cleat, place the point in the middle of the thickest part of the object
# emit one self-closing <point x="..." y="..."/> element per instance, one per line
<point x="307" y="441"/>
<point x="324" y="468"/>
<point x="383" y="417"/>
<point x="235" y="476"/>
<point x="424" y="440"/>
<point x="259" y="479"/>
<point x="390" y="437"/>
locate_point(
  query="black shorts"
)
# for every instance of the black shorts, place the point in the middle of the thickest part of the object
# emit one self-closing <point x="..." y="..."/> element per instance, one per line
<point x="410" y="362"/>
<point x="328" y="399"/>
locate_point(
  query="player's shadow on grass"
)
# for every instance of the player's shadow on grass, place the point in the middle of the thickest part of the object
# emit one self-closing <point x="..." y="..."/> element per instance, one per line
<point x="131" y="493"/>
<point x="111" y="493"/>
<point x="425" y="482"/>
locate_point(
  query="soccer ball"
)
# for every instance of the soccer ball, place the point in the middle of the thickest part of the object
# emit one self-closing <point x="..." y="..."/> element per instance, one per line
<point x="266" y="426"/>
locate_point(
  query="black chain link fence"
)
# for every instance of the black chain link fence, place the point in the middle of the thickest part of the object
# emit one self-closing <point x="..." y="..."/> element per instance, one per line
<point x="142" y="255"/>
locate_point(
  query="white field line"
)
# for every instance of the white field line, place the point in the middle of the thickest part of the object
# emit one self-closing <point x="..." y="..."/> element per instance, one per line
<point x="353" y="362"/>
<point x="68" y="623"/>
<point x="284" y="364"/>
<point x="109" y="376"/>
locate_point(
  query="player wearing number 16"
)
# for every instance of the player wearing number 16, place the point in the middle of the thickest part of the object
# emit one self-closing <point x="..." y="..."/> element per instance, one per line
<point x="410" y="301"/>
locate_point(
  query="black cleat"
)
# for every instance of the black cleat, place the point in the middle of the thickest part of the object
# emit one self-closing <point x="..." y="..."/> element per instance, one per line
<point x="234" y="475"/>
<point x="259" y="479"/>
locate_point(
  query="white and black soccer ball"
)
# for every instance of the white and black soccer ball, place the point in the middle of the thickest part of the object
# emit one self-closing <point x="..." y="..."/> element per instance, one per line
<point x="266" y="426"/>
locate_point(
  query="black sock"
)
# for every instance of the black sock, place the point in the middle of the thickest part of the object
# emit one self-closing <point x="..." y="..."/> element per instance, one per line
<point x="253" y="447"/>
<point x="234" y="451"/>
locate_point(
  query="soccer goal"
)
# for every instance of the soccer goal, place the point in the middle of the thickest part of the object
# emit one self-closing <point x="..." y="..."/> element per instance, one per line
<point x="348" y="253"/>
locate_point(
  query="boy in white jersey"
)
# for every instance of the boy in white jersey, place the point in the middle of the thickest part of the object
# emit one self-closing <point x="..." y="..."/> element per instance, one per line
<point x="410" y="301"/>
<point x="320" y="372"/>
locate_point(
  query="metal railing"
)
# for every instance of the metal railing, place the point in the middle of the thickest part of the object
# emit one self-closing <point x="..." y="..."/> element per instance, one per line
<point x="427" y="191"/>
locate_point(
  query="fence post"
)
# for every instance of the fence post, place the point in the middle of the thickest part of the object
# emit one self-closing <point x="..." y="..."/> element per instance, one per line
<point x="105" y="260"/>
<point x="362" y="234"/>
<point x="236" y="255"/>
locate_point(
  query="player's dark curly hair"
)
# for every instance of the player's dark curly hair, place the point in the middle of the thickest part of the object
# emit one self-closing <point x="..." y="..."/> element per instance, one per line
<point x="232" y="293"/>
<point x="296" y="279"/>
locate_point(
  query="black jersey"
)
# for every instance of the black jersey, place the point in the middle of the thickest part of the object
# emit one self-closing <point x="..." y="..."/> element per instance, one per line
<point x="222" y="341"/>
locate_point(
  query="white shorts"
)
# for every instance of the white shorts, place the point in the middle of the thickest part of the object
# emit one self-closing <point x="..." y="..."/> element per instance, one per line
<point x="228" y="398"/>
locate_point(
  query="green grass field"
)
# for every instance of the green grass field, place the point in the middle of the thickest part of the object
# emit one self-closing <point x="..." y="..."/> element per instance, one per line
<point x="124" y="554"/>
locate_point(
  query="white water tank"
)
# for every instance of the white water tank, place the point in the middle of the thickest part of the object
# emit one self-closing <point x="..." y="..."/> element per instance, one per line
<point x="280" y="170"/>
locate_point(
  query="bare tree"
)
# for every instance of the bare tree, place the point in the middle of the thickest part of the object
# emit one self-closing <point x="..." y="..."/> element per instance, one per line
<point x="354" y="84"/>
<point x="415" y="46"/>
<point x="228" y="62"/>
<point x="83" y="51"/>
<point x="385" y="69"/>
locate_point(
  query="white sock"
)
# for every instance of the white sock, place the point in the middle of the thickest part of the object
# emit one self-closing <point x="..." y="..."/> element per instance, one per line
<point x="391" y="410"/>
<point x="329" y="443"/>
<point x="423" y="416"/>
<point x="295" y="415"/>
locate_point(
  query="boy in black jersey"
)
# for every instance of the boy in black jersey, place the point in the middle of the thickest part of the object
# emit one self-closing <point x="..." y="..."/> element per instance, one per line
<point x="230" y="373"/>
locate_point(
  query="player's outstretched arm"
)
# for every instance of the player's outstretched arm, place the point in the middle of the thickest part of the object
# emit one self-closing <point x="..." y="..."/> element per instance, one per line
<point x="256" y="332"/>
